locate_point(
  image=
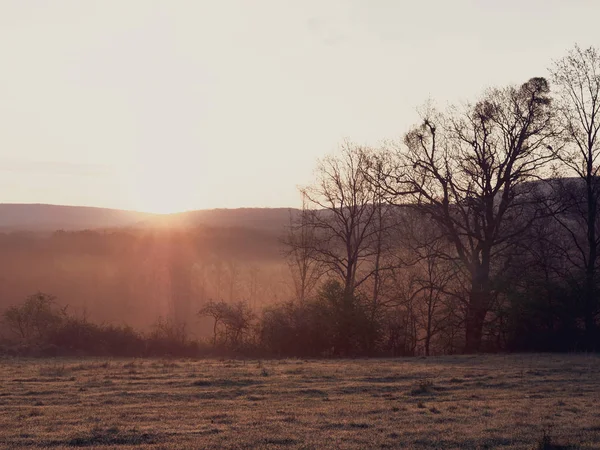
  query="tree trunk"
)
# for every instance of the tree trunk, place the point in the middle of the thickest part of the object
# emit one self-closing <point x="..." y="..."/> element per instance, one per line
<point x="590" y="308"/>
<point x="590" y="270"/>
<point x="215" y="332"/>
<point x="474" y="326"/>
<point x="479" y="301"/>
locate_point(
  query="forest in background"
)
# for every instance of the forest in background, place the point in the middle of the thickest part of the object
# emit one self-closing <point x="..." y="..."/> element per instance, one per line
<point x="478" y="232"/>
<point x="134" y="276"/>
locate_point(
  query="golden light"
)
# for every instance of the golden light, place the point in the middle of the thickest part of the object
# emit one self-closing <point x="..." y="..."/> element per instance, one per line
<point x="156" y="188"/>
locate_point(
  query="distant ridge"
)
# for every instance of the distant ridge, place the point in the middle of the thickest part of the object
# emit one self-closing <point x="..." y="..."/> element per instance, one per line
<point x="271" y="219"/>
<point x="45" y="217"/>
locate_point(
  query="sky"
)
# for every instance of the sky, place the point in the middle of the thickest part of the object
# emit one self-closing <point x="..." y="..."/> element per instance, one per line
<point x="173" y="105"/>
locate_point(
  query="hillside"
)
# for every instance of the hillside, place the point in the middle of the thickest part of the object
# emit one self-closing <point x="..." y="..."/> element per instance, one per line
<point x="267" y="219"/>
<point x="40" y="217"/>
<point x="131" y="267"/>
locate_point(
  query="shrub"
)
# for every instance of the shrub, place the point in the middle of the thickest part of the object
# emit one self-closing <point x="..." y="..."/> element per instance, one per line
<point x="78" y="336"/>
<point x="36" y="318"/>
<point x="40" y="327"/>
<point x="232" y="323"/>
<point x="169" y="338"/>
<point x="332" y="324"/>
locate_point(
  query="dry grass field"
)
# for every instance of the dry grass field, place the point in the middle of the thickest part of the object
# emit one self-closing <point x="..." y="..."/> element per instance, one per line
<point x="445" y="402"/>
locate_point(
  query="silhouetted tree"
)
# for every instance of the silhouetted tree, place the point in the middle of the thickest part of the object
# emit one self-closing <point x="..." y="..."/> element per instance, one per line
<point x="35" y="318"/>
<point x="234" y="321"/>
<point x="577" y="77"/>
<point x="302" y="254"/>
<point x="467" y="171"/>
<point x="343" y="217"/>
<point x="431" y="282"/>
<point x="344" y="232"/>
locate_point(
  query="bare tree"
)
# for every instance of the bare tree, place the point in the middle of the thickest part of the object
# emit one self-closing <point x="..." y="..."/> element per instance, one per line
<point x="385" y="224"/>
<point x="301" y="253"/>
<point x="218" y="311"/>
<point x="342" y="233"/>
<point x="234" y="320"/>
<point x="426" y="279"/>
<point x="35" y="318"/>
<point x="343" y="218"/>
<point x="431" y="282"/>
<point x="468" y="172"/>
<point x="577" y="77"/>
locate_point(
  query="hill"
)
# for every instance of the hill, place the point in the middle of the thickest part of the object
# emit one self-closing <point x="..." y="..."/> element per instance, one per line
<point x="266" y="219"/>
<point x="41" y="217"/>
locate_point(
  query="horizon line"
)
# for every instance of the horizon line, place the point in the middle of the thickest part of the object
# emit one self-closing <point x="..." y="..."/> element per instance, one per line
<point x="140" y="211"/>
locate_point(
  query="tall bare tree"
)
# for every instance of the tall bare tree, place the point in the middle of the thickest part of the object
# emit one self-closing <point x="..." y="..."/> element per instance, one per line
<point x="468" y="171"/>
<point x="577" y="77"/>
<point x="301" y="249"/>
<point x="432" y="276"/>
<point x="343" y="218"/>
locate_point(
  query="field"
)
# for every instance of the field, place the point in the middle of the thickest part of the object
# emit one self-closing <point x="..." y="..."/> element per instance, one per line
<point x="445" y="402"/>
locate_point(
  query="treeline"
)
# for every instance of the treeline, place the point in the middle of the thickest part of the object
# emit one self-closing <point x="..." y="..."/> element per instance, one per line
<point x="478" y="232"/>
<point x="39" y="326"/>
<point x="135" y="275"/>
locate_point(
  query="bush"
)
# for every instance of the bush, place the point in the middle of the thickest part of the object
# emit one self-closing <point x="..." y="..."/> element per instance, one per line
<point x="169" y="338"/>
<point x="77" y="336"/>
<point x="35" y="319"/>
<point x="40" y="328"/>
<point x="329" y="325"/>
<point x="233" y="324"/>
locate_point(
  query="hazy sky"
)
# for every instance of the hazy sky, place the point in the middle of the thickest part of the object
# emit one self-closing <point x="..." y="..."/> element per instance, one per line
<point x="174" y="105"/>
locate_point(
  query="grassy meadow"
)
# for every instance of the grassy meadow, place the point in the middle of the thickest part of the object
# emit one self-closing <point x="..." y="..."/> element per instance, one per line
<point x="438" y="402"/>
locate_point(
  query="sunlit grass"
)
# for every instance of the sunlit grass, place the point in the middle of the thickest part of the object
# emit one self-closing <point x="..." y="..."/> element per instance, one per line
<point x="446" y="402"/>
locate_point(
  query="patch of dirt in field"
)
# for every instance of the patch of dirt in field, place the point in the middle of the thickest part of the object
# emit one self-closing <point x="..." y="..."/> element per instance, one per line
<point x="518" y="401"/>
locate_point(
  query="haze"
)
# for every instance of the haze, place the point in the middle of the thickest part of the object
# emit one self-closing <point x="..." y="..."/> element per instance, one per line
<point x="170" y="106"/>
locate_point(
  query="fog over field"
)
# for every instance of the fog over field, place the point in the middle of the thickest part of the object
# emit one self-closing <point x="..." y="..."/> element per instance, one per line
<point x="130" y="268"/>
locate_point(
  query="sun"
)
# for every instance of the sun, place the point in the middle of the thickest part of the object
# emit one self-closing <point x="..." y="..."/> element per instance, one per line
<point x="159" y="208"/>
<point x="160" y="199"/>
<point x="157" y="191"/>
